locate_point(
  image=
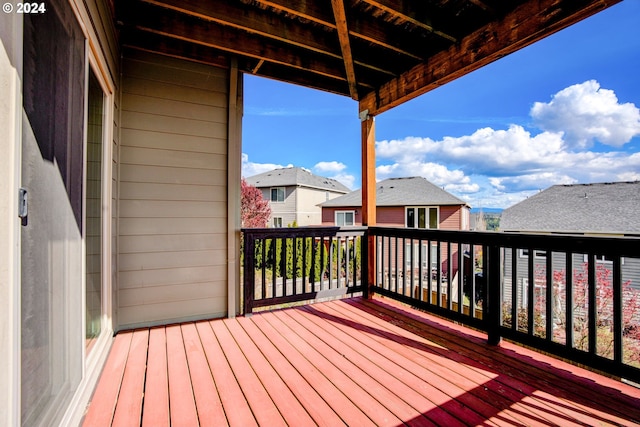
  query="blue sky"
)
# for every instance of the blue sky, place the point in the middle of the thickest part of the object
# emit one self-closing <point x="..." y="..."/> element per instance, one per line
<point x="562" y="111"/>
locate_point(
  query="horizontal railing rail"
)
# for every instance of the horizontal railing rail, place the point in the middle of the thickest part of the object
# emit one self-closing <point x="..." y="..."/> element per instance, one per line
<point x="287" y="265"/>
<point x="577" y="297"/>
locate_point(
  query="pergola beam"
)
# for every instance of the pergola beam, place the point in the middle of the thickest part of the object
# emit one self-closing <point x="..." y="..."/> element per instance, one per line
<point x="345" y="46"/>
<point x="519" y="28"/>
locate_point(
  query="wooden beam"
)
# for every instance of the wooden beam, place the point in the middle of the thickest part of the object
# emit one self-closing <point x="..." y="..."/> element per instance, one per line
<point x="484" y="6"/>
<point x="255" y="21"/>
<point x="258" y="24"/>
<point x="391" y="7"/>
<point x="523" y="26"/>
<point x="345" y="45"/>
<point x="361" y="27"/>
<point x="255" y="69"/>
<point x="236" y="42"/>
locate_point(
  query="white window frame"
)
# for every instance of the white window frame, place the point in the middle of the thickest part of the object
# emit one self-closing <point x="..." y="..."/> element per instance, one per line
<point x="537" y="253"/>
<point x="344" y="214"/>
<point x="277" y="222"/>
<point x="427" y="209"/>
<point x="600" y="259"/>
<point x="278" y="189"/>
<point x="91" y="357"/>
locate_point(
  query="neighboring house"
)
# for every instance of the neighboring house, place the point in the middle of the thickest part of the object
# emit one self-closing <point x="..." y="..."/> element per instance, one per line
<point x="294" y="195"/>
<point x="402" y="202"/>
<point x="411" y="202"/>
<point x="602" y="209"/>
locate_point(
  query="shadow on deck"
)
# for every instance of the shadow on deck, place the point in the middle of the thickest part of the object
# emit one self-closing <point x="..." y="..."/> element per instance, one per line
<point x="355" y="362"/>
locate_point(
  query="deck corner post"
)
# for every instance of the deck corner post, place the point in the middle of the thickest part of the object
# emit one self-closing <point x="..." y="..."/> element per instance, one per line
<point x="368" y="130"/>
<point x="494" y="296"/>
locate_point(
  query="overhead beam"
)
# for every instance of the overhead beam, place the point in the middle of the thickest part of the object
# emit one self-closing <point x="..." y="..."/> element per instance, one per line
<point x="258" y="22"/>
<point x="525" y="25"/>
<point x="391" y="7"/>
<point x="253" y="20"/>
<point x="230" y="40"/>
<point x="180" y="49"/>
<point x="345" y="46"/>
<point x="369" y="30"/>
<point x="484" y="6"/>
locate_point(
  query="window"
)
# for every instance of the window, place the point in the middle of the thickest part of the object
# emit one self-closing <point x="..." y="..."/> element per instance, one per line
<point x="345" y="218"/>
<point x="537" y="253"/>
<point x="93" y="215"/>
<point x="277" y="222"/>
<point x="603" y="259"/>
<point x="418" y="257"/>
<point x="422" y="217"/>
<point x="277" y="194"/>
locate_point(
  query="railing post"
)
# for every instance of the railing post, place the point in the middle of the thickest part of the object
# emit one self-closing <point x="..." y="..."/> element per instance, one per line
<point x="494" y="295"/>
<point x="368" y="262"/>
<point x="249" y="272"/>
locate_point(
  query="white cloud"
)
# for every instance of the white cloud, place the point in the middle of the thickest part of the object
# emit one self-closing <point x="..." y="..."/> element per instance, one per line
<point x="251" y="168"/>
<point x="586" y="113"/>
<point x="329" y="167"/>
<point x="485" y="151"/>
<point x="451" y="180"/>
<point x="530" y="182"/>
<point x="500" y="167"/>
<point x="345" y="178"/>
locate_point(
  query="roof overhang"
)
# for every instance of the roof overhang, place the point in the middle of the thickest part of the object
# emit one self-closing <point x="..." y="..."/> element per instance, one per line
<point x="381" y="53"/>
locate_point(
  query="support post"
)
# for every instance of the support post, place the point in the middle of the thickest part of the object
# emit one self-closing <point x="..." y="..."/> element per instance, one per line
<point x="369" y="195"/>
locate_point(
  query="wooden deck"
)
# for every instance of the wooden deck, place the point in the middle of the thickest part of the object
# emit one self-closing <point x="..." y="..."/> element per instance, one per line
<point x="352" y="362"/>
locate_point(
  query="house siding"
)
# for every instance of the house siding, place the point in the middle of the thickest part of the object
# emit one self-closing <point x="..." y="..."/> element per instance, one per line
<point x="172" y="247"/>
<point x="450" y="218"/>
<point x="630" y="271"/>
<point x="307" y="200"/>
<point x="285" y="210"/>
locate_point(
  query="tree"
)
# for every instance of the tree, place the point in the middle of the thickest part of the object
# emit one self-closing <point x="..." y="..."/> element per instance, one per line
<point x="254" y="209"/>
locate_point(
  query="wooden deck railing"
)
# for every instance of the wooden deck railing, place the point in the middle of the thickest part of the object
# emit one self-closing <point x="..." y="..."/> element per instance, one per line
<point x="300" y="264"/>
<point x="573" y="296"/>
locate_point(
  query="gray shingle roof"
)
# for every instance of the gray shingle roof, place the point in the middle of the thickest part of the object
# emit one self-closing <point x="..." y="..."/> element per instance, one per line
<point x="295" y="176"/>
<point x="604" y="207"/>
<point x="413" y="191"/>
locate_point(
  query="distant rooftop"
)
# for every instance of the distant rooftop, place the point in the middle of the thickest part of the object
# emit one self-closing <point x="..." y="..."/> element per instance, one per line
<point x="611" y="207"/>
<point x="412" y="191"/>
<point x="295" y="176"/>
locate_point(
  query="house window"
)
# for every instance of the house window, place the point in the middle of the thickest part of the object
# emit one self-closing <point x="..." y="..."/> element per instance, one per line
<point x="537" y="253"/>
<point x="277" y="194"/>
<point x="345" y="218"/>
<point x="422" y="217"/>
<point x="603" y="259"/>
<point x="277" y="222"/>
<point x="421" y="257"/>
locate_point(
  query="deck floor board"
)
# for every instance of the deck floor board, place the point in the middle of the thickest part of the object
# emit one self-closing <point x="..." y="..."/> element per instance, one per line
<point x="350" y="362"/>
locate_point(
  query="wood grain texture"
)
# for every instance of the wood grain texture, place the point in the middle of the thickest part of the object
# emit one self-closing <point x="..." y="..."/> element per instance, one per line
<point x="349" y="362"/>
